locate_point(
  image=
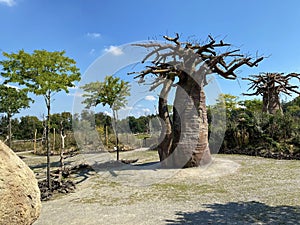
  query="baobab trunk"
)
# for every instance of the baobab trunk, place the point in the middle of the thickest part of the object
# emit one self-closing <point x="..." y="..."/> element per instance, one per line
<point x="271" y="103"/>
<point x="265" y="105"/>
<point x="190" y="126"/>
<point x="166" y="134"/>
<point x="274" y="105"/>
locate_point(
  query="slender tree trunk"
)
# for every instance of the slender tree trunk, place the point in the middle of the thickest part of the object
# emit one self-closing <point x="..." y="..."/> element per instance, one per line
<point x="9" y="130"/>
<point x="53" y="147"/>
<point x="48" y="103"/>
<point x="34" y="143"/>
<point x="190" y="126"/>
<point x="166" y="135"/>
<point x="115" y="115"/>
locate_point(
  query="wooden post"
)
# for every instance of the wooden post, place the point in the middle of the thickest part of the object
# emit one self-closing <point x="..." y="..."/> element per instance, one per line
<point x="62" y="149"/>
<point x="53" y="147"/>
<point x="34" y="142"/>
<point x="106" y="135"/>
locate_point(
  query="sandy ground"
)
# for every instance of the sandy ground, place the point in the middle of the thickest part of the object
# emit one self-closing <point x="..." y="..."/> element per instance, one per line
<point x="232" y="190"/>
<point x="71" y="210"/>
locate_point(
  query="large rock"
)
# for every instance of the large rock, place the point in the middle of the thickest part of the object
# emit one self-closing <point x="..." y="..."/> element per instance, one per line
<point x="19" y="193"/>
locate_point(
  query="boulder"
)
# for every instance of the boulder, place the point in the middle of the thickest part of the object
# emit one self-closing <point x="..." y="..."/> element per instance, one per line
<point x="19" y="193"/>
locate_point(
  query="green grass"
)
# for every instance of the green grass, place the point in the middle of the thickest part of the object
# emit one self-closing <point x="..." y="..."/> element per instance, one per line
<point x="142" y="136"/>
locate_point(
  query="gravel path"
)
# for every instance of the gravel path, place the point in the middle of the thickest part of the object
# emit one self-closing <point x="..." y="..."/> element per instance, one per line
<point x="232" y="190"/>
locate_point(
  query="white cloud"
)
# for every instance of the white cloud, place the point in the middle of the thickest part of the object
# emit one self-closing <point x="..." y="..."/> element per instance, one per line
<point x="73" y="88"/>
<point x="108" y="113"/>
<point x="92" y="35"/>
<point x="92" y="51"/>
<point x="240" y="106"/>
<point x="12" y="86"/>
<point x="150" y="98"/>
<point x="114" y="50"/>
<point x="8" y="2"/>
<point x="127" y="108"/>
<point x="76" y="94"/>
<point x="146" y="110"/>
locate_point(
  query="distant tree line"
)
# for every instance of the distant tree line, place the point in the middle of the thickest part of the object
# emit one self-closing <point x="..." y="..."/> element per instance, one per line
<point x="23" y="128"/>
<point x="248" y="129"/>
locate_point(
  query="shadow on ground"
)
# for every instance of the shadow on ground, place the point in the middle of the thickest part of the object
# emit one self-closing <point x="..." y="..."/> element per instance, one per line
<point x="240" y="213"/>
<point x="52" y="164"/>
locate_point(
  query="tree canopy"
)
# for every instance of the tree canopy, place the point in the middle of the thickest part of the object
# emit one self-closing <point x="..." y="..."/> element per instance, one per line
<point x="42" y="73"/>
<point x="112" y="92"/>
<point x="12" y="100"/>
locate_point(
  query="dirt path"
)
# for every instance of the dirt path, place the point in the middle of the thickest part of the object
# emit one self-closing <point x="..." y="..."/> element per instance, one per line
<point x="233" y="190"/>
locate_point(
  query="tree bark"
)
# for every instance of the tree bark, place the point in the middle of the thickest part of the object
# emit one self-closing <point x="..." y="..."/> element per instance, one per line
<point x="190" y="127"/>
<point x="271" y="102"/>
<point x="274" y="105"/>
<point x="115" y="115"/>
<point x="166" y="137"/>
<point x="265" y="105"/>
<point x="48" y="103"/>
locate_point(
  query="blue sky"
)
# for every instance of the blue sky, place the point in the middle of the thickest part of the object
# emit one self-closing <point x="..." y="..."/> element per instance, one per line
<point x="86" y="29"/>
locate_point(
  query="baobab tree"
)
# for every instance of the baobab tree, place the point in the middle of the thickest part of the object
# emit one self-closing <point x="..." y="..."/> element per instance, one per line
<point x="184" y="138"/>
<point x="270" y="85"/>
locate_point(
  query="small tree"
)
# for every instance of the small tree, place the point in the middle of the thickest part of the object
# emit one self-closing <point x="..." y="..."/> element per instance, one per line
<point x="270" y="85"/>
<point x="11" y="101"/>
<point x="112" y="92"/>
<point x="43" y="73"/>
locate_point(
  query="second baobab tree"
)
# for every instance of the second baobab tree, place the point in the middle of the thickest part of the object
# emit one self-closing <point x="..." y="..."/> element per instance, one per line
<point x="270" y="85"/>
<point x="185" y="66"/>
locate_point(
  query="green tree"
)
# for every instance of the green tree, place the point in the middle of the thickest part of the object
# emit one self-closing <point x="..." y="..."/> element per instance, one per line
<point x="254" y="105"/>
<point x="112" y="92"/>
<point x="58" y="118"/>
<point x="293" y="107"/>
<point x="28" y="125"/>
<point x="42" y="73"/>
<point x="11" y="101"/>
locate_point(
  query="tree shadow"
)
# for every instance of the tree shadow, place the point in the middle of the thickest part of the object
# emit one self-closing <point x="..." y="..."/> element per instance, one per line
<point x="83" y="173"/>
<point x="120" y="166"/>
<point x="52" y="165"/>
<point x="240" y="213"/>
